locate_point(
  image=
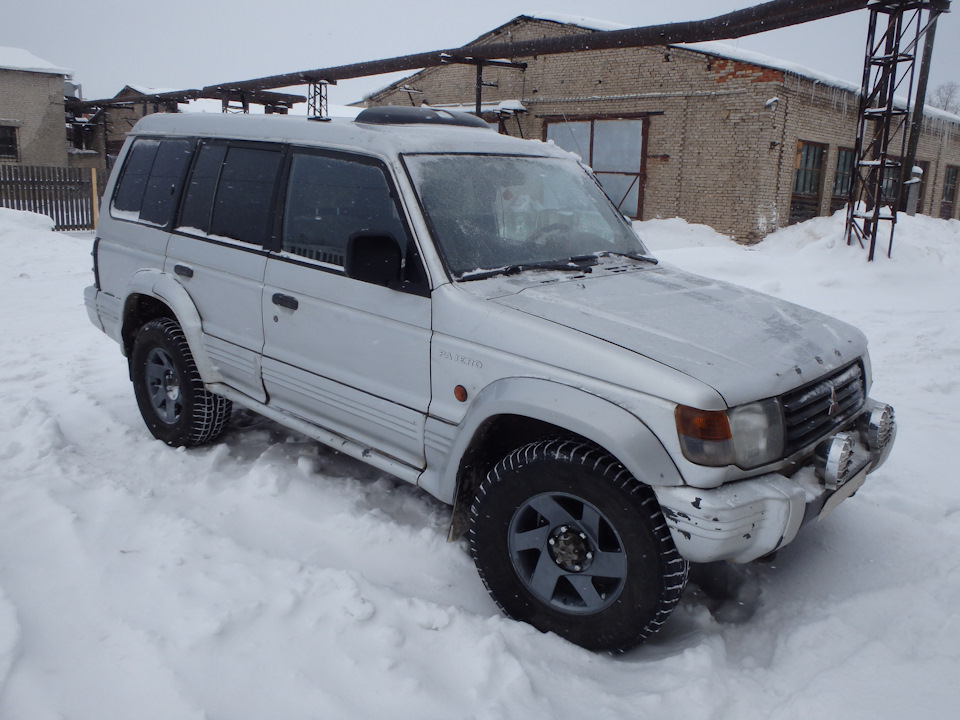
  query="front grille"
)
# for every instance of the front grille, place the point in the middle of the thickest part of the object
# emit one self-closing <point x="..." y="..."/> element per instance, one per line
<point x="813" y="411"/>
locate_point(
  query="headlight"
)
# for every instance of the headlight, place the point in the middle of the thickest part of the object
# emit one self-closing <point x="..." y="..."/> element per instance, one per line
<point x="747" y="436"/>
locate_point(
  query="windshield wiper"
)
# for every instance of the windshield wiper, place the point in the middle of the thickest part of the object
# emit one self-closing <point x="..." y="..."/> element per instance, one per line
<point x="565" y="265"/>
<point x="631" y="255"/>
<point x="577" y="263"/>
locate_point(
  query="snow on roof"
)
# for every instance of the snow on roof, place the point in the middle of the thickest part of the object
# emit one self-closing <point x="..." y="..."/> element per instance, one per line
<point x="719" y="49"/>
<point x="504" y="107"/>
<point x="387" y="141"/>
<point x="18" y="59"/>
<point x="732" y="52"/>
<point x="578" y="20"/>
<point x="144" y="90"/>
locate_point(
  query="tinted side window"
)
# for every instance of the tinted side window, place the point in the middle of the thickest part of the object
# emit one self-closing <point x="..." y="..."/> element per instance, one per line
<point x="152" y="180"/>
<point x="241" y="209"/>
<point x="198" y="201"/>
<point x="329" y="199"/>
<point x="166" y="181"/>
<point x="136" y="172"/>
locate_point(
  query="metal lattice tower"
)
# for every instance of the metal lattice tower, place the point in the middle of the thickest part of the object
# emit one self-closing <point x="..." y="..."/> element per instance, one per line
<point x="318" y="105"/>
<point x="882" y="160"/>
<point x="235" y="103"/>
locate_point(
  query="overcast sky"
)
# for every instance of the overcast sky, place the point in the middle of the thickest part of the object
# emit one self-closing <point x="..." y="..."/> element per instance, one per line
<point x="179" y="44"/>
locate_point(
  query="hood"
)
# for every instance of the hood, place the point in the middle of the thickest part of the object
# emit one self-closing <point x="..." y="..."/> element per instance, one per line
<point x="744" y="344"/>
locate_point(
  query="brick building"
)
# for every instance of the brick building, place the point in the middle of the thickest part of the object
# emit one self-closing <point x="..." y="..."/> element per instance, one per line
<point x="709" y="133"/>
<point x="32" y="128"/>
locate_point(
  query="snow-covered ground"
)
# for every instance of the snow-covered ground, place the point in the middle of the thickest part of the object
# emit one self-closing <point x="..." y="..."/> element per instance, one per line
<point x="265" y="577"/>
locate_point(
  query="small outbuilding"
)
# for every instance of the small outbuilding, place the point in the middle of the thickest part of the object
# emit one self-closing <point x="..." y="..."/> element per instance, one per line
<point x="32" y="130"/>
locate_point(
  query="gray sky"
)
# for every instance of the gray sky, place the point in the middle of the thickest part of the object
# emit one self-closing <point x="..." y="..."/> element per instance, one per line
<point x="192" y="43"/>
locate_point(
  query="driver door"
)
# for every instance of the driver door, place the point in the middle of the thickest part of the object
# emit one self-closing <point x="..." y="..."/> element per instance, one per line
<point x="347" y="355"/>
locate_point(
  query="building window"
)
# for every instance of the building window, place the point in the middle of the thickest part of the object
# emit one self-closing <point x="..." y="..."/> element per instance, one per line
<point x="807" y="181"/>
<point x="949" y="197"/>
<point x="8" y="143"/>
<point x="842" y="179"/>
<point x="890" y="186"/>
<point x="614" y="149"/>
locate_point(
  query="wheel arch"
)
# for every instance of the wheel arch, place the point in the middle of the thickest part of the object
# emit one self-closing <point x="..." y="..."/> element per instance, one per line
<point x="515" y="411"/>
<point x="152" y="294"/>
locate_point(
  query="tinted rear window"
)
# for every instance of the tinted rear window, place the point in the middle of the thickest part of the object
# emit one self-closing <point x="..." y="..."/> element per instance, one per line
<point x="198" y="201"/>
<point x="136" y="172"/>
<point x="152" y="180"/>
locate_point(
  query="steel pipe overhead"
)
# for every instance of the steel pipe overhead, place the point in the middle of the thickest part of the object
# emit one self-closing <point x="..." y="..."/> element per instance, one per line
<point x="749" y="21"/>
<point x="767" y="16"/>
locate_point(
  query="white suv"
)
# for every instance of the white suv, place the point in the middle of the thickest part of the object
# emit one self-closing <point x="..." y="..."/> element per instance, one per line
<point x="468" y="312"/>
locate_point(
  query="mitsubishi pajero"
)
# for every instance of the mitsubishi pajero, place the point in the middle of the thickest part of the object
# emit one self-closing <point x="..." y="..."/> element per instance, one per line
<point x="468" y="312"/>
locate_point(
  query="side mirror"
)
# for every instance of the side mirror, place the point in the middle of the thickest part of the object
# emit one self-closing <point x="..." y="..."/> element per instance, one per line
<point x="373" y="257"/>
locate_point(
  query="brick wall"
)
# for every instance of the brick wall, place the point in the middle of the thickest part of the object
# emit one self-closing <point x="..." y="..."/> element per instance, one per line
<point x="717" y="151"/>
<point x="33" y="103"/>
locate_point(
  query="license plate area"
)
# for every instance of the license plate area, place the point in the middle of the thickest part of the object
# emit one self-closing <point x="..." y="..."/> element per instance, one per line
<point x="842" y="493"/>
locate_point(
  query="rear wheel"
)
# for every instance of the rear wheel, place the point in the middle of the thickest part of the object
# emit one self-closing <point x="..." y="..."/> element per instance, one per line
<point x="566" y="539"/>
<point x="175" y="405"/>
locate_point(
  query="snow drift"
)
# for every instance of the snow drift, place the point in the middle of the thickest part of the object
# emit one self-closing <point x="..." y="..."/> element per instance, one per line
<point x="265" y="576"/>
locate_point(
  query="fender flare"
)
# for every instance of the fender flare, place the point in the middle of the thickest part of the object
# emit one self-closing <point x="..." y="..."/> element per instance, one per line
<point x="577" y="410"/>
<point x="164" y="287"/>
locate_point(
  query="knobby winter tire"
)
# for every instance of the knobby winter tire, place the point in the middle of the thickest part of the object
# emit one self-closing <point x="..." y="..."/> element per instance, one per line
<point x="173" y="401"/>
<point x="566" y="539"/>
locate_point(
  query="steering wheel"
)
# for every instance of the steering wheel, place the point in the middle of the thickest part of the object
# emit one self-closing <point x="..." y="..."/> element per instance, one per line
<point x="537" y="235"/>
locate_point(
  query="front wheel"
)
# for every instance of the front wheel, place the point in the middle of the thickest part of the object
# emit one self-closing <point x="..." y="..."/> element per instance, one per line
<point x="566" y="539"/>
<point x="175" y="405"/>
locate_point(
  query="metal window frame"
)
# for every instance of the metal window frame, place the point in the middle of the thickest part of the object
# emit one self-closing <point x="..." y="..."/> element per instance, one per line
<point x="848" y="172"/>
<point x="952" y="187"/>
<point x="641" y="175"/>
<point x="14" y="144"/>
<point x="809" y="171"/>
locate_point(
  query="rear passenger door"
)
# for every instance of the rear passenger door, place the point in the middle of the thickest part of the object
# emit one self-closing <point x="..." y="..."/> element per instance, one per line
<point x="217" y="252"/>
<point x="346" y="355"/>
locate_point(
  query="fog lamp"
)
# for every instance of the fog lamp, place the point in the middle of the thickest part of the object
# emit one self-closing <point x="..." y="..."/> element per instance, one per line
<point x="876" y="427"/>
<point x="835" y="454"/>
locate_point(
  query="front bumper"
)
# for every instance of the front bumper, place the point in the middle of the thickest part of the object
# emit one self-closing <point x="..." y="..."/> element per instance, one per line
<point x="748" y="519"/>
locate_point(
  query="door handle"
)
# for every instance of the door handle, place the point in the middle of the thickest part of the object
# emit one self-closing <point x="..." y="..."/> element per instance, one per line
<point x="285" y="301"/>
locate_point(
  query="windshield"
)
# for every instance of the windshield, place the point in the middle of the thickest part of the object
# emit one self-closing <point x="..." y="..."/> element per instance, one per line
<point x="490" y="212"/>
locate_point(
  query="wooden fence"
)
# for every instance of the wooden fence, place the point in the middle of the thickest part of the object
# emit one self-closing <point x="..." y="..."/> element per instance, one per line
<point x="68" y="195"/>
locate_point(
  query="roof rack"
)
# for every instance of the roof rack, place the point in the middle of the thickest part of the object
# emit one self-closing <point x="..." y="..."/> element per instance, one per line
<point x="401" y="115"/>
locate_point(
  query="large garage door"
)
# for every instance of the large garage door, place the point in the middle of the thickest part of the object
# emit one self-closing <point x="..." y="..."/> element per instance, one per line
<point x="614" y="148"/>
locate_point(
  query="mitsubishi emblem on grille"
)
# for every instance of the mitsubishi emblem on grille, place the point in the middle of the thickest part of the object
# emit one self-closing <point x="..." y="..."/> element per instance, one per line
<point x="834" y="403"/>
